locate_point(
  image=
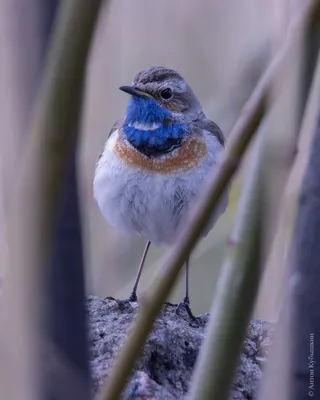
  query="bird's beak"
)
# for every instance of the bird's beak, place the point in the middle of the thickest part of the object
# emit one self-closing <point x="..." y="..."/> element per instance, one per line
<point x="134" y="91"/>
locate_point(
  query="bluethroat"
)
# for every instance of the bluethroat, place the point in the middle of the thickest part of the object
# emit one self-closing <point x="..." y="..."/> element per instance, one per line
<point x="156" y="160"/>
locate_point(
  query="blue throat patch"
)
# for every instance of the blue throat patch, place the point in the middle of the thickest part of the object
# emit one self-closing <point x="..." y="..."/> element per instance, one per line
<point x="165" y="138"/>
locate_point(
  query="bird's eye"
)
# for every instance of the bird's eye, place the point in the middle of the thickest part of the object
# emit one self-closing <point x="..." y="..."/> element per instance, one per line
<point x="166" y="94"/>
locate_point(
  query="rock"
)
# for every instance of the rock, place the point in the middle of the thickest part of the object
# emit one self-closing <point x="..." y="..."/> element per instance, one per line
<point x="165" y="368"/>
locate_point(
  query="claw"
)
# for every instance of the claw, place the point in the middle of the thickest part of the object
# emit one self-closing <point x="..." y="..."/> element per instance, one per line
<point x="185" y="305"/>
<point x="133" y="297"/>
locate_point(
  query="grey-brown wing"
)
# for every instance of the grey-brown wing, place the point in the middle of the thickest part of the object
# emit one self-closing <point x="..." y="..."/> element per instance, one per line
<point x="115" y="126"/>
<point x="212" y="127"/>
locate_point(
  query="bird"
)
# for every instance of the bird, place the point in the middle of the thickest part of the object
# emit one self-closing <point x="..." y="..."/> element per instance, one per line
<point x="155" y="163"/>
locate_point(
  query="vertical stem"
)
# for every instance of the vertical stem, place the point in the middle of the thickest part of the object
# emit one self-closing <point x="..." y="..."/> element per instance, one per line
<point x="37" y="190"/>
<point x="236" y="291"/>
<point x="277" y="381"/>
<point x="186" y="297"/>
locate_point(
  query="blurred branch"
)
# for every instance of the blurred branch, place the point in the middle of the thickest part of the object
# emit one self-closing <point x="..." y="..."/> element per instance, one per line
<point x="36" y="197"/>
<point x="275" y="381"/>
<point x="310" y="54"/>
<point x="236" y="291"/>
<point x="283" y="123"/>
<point x="305" y="345"/>
<point x="66" y="322"/>
<point x="24" y="32"/>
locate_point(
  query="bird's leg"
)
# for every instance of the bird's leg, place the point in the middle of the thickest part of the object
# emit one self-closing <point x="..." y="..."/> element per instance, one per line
<point x="186" y="300"/>
<point x="133" y="295"/>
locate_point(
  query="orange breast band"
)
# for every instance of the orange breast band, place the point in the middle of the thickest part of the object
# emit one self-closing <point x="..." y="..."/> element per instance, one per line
<point x="185" y="157"/>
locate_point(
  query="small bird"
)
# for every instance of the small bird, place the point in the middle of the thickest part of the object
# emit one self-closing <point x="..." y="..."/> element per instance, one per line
<point x="155" y="162"/>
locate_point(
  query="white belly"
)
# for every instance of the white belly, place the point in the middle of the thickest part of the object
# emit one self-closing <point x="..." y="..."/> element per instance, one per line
<point x="150" y="203"/>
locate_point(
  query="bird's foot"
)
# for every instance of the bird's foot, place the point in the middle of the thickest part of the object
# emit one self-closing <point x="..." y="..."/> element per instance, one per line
<point x="125" y="304"/>
<point x="133" y="297"/>
<point x="183" y="309"/>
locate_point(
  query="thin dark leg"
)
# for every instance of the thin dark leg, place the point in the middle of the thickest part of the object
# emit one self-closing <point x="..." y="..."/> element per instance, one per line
<point x="133" y="295"/>
<point x="185" y="304"/>
<point x="186" y="299"/>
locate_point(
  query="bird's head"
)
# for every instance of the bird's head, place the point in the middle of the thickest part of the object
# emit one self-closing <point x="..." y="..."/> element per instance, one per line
<point x="159" y="111"/>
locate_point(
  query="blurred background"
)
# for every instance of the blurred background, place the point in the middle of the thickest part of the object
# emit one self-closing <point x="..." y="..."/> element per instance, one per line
<point x="220" y="47"/>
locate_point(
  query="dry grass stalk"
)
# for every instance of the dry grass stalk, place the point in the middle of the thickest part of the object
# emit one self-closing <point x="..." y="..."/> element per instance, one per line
<point x="36" y="195"/>
<point x="236" y="291"/>
<point x="277" y="372"/>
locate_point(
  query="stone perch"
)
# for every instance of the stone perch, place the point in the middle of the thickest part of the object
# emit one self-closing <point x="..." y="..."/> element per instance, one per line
<point x="164" y="370"/>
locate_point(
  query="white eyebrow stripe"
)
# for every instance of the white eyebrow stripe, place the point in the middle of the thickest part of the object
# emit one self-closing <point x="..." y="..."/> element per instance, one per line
<point x="145" y="126"/>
